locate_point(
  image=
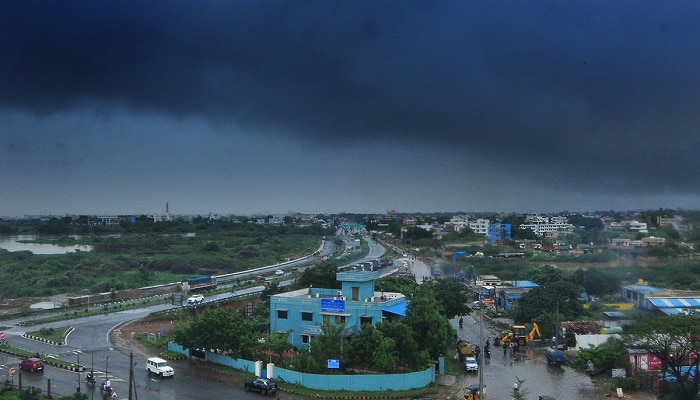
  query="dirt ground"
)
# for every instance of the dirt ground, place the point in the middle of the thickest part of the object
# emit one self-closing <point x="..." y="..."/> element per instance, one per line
<point x="124" y="337"/>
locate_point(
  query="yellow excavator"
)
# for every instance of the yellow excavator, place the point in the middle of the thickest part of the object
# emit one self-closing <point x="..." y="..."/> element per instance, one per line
<point x="519" y="335"/>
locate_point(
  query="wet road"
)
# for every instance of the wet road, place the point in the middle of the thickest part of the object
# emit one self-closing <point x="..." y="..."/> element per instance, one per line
<point x="499" y="373"/>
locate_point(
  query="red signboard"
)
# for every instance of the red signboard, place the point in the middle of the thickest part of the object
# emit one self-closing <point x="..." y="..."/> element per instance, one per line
<point x="12" y="371"/>
<point x="2" y="335"/>
<point x="653" y="362"/>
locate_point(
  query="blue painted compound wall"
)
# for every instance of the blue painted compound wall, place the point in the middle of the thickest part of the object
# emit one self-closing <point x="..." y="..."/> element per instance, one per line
<point x="412" y="380"/>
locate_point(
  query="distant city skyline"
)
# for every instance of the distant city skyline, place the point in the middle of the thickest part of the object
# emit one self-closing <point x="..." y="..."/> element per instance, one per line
<point x="251" y="108"/>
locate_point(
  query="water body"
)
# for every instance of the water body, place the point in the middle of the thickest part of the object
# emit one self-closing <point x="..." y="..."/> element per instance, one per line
<point x="22" y="243"/>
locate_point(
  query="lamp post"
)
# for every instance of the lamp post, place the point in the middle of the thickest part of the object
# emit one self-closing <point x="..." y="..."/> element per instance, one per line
<point x="481" y="344"/>
<point x="77" y="353"/>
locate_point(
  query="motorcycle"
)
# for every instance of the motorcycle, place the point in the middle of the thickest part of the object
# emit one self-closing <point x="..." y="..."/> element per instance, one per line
<point x="90" y="378"/>
<point x="106" y="388"/>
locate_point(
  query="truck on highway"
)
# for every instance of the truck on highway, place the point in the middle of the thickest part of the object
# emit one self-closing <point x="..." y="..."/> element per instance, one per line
<point x="201" y="283"/>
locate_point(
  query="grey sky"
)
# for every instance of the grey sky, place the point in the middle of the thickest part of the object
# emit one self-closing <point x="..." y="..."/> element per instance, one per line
<point x="314" y="106"/>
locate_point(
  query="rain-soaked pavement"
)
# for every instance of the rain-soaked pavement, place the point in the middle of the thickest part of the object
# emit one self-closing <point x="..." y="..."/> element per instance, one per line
<point x="529" y="364"/>
<point x="500" y="372"/>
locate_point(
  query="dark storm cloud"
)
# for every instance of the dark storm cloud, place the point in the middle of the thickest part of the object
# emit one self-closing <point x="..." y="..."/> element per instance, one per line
<point x="603" y="95"/>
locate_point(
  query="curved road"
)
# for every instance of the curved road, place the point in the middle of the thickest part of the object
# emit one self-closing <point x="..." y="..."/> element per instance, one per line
<point x="89" y="344"/>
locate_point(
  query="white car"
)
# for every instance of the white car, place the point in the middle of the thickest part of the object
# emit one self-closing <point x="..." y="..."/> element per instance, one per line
<point x="471" y="365"/>
<point x="279" y="272"/>
<point x="195" y="299"/>
<point x="160" y="367"/>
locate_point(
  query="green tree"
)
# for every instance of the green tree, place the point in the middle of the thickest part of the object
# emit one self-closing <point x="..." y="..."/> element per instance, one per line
<point x="608" y="355"/>
<point x="369" y="348"/>
<point x="599" y="282"/>
<point x="450" y="296"/>
<point x="396" y="284"/>
<point x="322" y="276"/>
<point x="213" y="329"/>
<point x="675" y="340"/>
<point x="519" y="392"/>
<point x="548" y="304"/>
<point x="432" y="331"/>
<point x="405" y="343"/>
<point x="330" y="344"/>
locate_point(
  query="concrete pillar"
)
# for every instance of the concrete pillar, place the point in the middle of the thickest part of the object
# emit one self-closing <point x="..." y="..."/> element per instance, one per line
<point x="258" y="368"/>
<point x="271" y="370"/>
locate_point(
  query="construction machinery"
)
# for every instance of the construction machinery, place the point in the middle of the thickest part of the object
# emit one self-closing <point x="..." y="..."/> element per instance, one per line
<point x="520" y="335"/>
<point x="465" y="349"/>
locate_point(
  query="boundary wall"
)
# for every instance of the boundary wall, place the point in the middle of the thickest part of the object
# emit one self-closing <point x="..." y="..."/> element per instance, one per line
<point x="374" y="382"/>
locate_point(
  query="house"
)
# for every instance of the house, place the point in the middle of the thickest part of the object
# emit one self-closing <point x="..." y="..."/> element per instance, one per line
<point x="637" y="294"/>
<point x="302" y="312"/>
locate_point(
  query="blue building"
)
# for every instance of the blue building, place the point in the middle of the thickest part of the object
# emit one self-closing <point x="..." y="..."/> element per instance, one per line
<point x="498" y="232"/>
<point x="302" y="311"/>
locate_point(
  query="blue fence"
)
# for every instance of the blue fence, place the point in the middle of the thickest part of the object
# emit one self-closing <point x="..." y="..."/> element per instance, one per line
<point x="375" y="382"/>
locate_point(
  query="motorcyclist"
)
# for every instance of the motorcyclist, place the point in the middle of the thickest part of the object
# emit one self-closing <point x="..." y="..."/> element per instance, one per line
<point x="461" y="322"/>
<point x="107" y="386"/>
<point x="90" y="378"/>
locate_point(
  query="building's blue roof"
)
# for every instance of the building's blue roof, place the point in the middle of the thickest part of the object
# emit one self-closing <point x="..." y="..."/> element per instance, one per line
<point x="675" y="302"/>
<point x="642" y="289"/>
<point x="524" y="284"/>
<point x="398" y="309"/>
<point x="614" y="314"/>
<point x="671" y="311"/>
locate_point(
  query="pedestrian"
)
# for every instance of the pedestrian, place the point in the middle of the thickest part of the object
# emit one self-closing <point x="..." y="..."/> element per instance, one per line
<point x="516" y="387"/>
<point x="554" y="342"/>
<point x="505" y="349"/>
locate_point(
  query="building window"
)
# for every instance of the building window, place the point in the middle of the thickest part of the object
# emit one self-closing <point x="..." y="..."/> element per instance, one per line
<point x="337" y="319"/>
<point x="307" y="316"/>
<point x="306" y="339"/>
<point x="365" y="320"/>
<point x="282" y="314"/>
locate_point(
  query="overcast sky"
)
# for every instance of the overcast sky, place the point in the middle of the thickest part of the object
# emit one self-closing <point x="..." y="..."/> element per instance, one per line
<point x="248" y="107"/>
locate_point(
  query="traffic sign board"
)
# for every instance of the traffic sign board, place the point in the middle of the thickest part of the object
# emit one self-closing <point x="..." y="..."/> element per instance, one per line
<point x="12" y="371"/>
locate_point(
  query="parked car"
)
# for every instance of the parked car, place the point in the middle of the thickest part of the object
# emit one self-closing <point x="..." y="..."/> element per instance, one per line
<point x="279" y="272"/>
<point x="160" y="367"/>
<point x="195" y="299"/>
<point x="263" y="385"/>
<point x="471" y="365"/>
<point x="32" y="364"/>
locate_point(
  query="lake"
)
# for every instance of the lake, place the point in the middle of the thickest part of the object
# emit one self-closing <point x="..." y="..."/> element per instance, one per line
<point x="19" y="243"/>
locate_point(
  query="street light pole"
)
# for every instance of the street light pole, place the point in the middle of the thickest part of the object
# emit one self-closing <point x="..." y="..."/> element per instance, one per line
<point x="77" y="353"/>
<point x="481" y="344"/>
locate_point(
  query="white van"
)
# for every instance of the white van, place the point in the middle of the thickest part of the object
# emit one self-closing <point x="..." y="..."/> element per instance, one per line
<point x="158" y="366"/>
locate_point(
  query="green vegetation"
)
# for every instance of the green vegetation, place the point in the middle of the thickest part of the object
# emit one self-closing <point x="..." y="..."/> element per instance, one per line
<point x="8" y="392"/>
<point x="141" y="254"/>
<point x="50" y="334"/>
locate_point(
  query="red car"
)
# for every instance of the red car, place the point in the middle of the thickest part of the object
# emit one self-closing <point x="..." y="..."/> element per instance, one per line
<point x="32" y="364"/>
